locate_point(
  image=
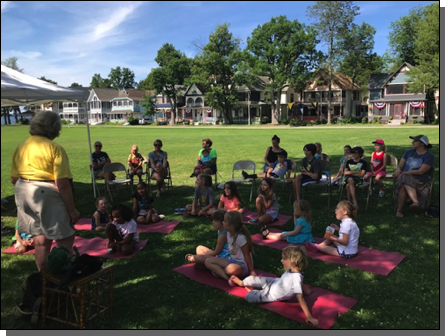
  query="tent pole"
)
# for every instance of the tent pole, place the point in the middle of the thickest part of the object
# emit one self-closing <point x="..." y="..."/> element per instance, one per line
<point x="89" y="148"/>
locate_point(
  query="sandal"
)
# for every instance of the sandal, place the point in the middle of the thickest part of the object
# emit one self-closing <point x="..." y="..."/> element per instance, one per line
<point x="415" y="207"/>
<point x="189" y="258"/>
<point x="400" y="214"/>
<point x="265" y="232"/>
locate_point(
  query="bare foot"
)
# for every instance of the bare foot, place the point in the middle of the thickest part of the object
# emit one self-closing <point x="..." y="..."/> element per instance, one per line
<point x="236" y="280"/>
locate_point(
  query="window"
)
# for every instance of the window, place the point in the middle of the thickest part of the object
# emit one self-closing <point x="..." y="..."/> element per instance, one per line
<point x="376" y="111"/>
<point x="395" y="89"/>
<point x="374" y="95"/>
<point x="415" y="111"/>
<point x="291" y="97"/>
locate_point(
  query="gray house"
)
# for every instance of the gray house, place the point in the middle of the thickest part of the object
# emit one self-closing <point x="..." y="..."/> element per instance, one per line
<point x="389" y="97"/>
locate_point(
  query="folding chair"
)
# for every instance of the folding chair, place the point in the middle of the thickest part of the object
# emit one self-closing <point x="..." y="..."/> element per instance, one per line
<point x="431" y="182"/>
<point x="325" y="181"/>
<point x="114" y="185"/>
<point x="240" y="166"/>
<point x="366" y="186"/>
<point x="94" y="182"/>
<point x="144" y="172"/>
<point x="167" y="179"/>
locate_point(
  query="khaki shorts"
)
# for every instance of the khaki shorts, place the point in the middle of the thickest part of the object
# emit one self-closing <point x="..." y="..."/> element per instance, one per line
<point x="41" y="210"/>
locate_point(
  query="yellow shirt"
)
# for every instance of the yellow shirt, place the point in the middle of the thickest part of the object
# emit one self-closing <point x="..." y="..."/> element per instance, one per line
<point x="39" y="158"/>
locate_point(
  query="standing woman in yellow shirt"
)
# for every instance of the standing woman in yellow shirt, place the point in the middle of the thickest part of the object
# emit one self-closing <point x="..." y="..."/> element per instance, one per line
<point x="43" y="194"/>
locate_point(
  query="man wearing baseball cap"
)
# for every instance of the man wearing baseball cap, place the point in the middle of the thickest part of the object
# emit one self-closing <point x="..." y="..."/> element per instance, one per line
<point x="412" y="175"/>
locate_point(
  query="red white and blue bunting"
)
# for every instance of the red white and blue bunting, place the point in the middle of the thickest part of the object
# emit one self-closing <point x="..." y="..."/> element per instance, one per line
<point x="417" y="104"/>
<point x="380" y="105"/>
<point x="188" y="111"/>
<point x="209" y="111"/>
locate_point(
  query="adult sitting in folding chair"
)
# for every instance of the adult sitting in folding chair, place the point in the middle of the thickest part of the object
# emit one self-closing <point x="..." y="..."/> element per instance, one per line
<point x="100" y="159"/>
<point x="310" y="170"/>
<point x="158" y="163"/>
<point x="135" y="161"/>
<point x="277" y="171"/>
<point x="412" y="176"/>
<point x="211" y="168"/>
<point x="271" y="156"/>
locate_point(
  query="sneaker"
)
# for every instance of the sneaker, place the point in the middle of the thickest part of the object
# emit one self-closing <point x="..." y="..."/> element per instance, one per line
<point x="381" y="193"/>
<point x="311" y="247"/>
<point x="161" y="216"/>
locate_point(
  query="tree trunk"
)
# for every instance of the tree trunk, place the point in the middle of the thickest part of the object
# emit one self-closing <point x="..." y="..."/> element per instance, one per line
<point x="228" y="114"/>
<point x="274" y="113"/>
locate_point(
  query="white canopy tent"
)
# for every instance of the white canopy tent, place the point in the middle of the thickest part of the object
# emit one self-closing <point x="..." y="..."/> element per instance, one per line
<point x="21" y="89"/>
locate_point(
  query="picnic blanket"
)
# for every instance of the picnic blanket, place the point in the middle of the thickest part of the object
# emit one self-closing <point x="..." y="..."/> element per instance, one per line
<point x="324" y="305"/>
<point x="160" y="227"/>
<point x="93" y="246"/>
<point x="370" y="260"/>
<point x="280" y="221"/>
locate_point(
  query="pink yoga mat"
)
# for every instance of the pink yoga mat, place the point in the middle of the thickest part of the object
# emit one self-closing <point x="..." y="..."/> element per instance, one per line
<point x="280" y="221"/>
<point x="370" y="260"/>
<point x="159" y="227"/>
<point x="324" y="305"/>
<point x="95" y="247"/>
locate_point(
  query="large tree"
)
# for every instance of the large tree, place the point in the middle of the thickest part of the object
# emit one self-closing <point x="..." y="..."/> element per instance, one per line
<point x="169" y="77"/>
<point x="43" y="78"/>
<point x="332" y="19"/>
<point x="216" y="68"/>
<point x="98" y="82"/>
<point x="121" y="78"/>
<point x="402" y="36"/>
<point x="149" y="104"/>
<point x="425" y="76"/>
<point x="358" y="61"/>
<point x="285" y="52"/>
<point x="147" y="83"/>
<point x="75" y="85"/>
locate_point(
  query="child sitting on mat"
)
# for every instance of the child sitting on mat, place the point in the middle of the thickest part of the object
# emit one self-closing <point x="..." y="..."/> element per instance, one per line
<point x="22" y="242"/>
<point x="239" y="262"/>
<point x="268" y="289"/>
<point x="230" y="199"/>
<point x="142" y="206"/>
<point x="346" y="244"/>
<point x="204" y="196"/>
<point x="101" y="216"/>
<point x="266" y="205"/>
<point x="122" y="233"/>
<point x="303" y="229"/>
<point x="221" y="249"/>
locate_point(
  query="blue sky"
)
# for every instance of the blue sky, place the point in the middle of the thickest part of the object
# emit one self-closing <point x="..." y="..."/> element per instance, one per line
<point x="69" y="41"/>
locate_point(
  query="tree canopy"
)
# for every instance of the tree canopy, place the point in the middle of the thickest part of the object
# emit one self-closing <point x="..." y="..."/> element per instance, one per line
<point x="12" y="62"/>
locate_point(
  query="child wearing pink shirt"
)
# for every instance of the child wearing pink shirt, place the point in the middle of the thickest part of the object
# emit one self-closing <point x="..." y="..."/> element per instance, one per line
<point x="230" y="199"/>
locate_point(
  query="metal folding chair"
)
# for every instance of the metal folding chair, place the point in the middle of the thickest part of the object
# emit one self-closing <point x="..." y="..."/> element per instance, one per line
<point x="119" y="183"/>
<point x="240" y="166"/>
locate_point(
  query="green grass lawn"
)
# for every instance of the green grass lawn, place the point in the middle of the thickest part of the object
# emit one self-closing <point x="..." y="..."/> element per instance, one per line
<point x="149" y="295"/>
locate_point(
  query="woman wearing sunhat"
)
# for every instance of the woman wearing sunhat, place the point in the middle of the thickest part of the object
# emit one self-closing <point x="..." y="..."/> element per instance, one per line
<point x="412" y="175"/>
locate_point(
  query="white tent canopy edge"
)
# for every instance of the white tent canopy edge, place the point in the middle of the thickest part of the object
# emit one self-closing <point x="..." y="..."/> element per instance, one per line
<point x="21" y="89"/>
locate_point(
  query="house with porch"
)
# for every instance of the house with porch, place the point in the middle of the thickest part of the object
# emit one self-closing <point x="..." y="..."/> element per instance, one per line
<point x="126" y="103"/>
<point x="252" y="102"/>
<point x="389" y="98"/>
<point x="312" y="103"/>
<point x="163" y="107"/>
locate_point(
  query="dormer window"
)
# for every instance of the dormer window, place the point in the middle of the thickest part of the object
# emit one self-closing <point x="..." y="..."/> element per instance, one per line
<point x="395" y="89"/>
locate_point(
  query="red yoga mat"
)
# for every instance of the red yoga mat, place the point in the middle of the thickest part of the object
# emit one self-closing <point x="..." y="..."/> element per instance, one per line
<point x="280" y="221"/>
<point x="370" y="260"/>
<point x="159" y="227"/>
<point x="324" y="305"/>
<point x="93" y="246"/>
